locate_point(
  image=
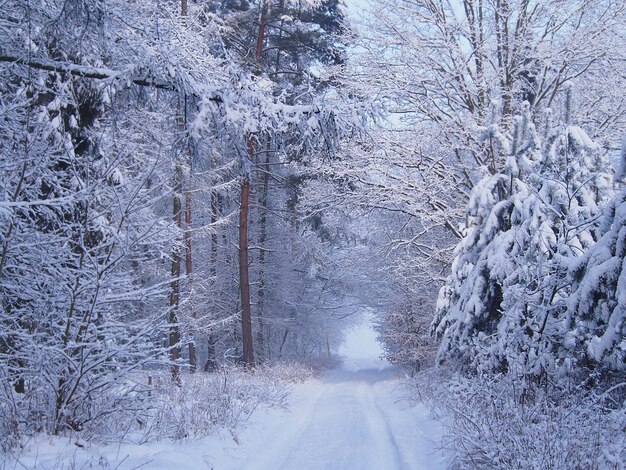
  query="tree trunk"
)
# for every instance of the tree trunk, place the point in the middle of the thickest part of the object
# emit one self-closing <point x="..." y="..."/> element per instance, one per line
<point x="244" y="272"/>
<point x="261" y="35"/>
<point x="262" y="240"/>
<point x="174" y="329"/>
<point x="193" y="360"/>
<point x="211" y="360"/>
<point x="282" y="344"/>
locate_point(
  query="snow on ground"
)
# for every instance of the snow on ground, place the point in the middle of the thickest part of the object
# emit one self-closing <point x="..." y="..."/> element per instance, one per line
<point x="351" y="417"/>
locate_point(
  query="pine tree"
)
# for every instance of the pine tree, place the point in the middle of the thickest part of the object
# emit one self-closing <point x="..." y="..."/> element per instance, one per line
<point x="595" y="322"/>
<point x="285" y="45"/>
<point x="502" y="307"/>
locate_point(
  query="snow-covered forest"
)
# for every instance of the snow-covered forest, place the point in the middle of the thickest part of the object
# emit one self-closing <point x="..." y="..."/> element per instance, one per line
<point x="202" y="198"/>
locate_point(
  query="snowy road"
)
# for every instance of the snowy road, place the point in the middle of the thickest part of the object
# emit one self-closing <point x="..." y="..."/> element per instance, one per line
<point x="354" y="417"/>
<point x="349" y="419"/>
<point x="342" y="425"/>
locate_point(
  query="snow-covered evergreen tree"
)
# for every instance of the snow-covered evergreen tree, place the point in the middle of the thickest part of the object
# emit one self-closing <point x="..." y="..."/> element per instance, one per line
<point x="502" y="306"/>
<point x="595" y="322"/>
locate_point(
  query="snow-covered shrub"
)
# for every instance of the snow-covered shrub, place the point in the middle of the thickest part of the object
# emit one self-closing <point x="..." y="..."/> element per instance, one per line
<point x="80" y="231"/>
<point x="296" y="372"/>
<point x="405" y="336"/>
<point x="494" y="422"/>
<point x="224" y="399"/>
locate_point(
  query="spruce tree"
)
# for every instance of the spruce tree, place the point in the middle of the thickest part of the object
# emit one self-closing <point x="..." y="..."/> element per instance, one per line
<point x="502" y="308"/>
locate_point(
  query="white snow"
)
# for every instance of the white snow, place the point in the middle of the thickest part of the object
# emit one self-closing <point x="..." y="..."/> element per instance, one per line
<point x="352" y="417"/>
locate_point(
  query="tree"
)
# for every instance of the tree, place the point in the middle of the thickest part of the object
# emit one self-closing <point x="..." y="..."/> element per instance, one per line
<point x="502" y="306"/>
<point x="446" y="71"/>
<point x="80" y="210"/>
<point x="536" y="48"/>
<point x="595" y="320"/>
<point x="285" y="40"/>
<point x="83" y="299"/>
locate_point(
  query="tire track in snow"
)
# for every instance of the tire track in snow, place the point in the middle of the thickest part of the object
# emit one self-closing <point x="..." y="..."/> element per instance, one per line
<point x="347" y="420"/>
<point x="272" y="456"/>
<point x="383" y="418"/>
<point x="343" y="427"/>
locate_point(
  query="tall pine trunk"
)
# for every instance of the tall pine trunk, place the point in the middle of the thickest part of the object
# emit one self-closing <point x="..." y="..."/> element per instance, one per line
<point x="244" y="209"/>
<point x="174" y="329"/>
<point x="244" y="274"/>
<point x="260" y="337"/>
<point x="211" y="360"/>
<point x="174" y="300"/>
<point x="193" y="360"/>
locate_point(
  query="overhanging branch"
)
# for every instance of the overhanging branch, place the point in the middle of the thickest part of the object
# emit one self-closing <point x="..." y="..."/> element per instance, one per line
<point x="129" y="76"/>
<point x="96" y="73"/>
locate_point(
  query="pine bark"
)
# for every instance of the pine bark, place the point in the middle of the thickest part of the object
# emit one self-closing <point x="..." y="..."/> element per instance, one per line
<point x="244" y="274"/>
<point x="244" y="209"/>
<point x="211" y="361"/>
<point x="193" y="359"/>
<point x="174" y="329"/>
<point x="262" y="240"/>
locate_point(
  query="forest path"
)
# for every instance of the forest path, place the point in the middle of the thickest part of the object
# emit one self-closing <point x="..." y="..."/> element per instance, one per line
<point x="350" y="418"/>
<point x="356" y="416"/>
<point x="343" y="426"/>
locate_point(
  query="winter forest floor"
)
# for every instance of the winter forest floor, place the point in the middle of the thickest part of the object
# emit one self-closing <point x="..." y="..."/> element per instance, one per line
<point x="348" y="419"/>
<point x="354" y="416"/>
